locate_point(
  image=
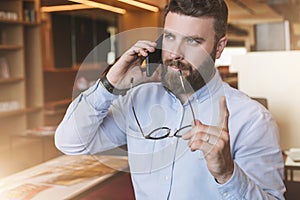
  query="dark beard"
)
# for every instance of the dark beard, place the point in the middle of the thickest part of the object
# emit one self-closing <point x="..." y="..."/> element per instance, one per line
<point x="195" y="79"/>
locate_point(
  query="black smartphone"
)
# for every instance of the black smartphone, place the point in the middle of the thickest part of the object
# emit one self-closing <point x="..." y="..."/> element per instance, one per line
<point x="153" y="60"/>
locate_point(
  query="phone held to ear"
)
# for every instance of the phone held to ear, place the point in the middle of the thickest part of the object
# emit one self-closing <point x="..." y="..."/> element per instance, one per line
<point x="153" y="60"/>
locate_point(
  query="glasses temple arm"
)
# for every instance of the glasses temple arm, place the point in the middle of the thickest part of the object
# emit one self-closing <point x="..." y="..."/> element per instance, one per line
<point x="182" y="84"/>
<point x="133" y="110"/>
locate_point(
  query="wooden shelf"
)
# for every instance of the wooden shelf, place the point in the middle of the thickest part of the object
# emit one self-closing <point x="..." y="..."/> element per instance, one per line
<point x="65" y="87"/>
<point x="20" y="51"/>
<point x="16" y="22"/>
<point x="34" y="109"/>
<point x="12" y="113"/>
<point x="58" y="70"/>
<point x="6" y="47"/>
<point x="11" y="80"/>
<point x="91" y="66"/>
<point x="82" y="67"/>
<point x="55" y="112"/>
<point x="57" y="104"/>
<point x="31" y="23"/>
<point x="19" y="22"/>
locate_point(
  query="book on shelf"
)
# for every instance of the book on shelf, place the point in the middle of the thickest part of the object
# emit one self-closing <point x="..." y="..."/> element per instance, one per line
<point x="8" y="15"/>
<point x="42" y="131"/>
<point x="4" y="69"/>
<point x="29" y="15"/>
<point x="6" y="106"/>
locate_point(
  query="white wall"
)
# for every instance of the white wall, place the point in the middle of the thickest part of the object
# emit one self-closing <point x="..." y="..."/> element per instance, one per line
<point x="276" y="76"/>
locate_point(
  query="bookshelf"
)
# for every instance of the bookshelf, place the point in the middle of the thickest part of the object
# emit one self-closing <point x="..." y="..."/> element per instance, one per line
<point x="60" y="87"/>
<point x="21" y="75"/>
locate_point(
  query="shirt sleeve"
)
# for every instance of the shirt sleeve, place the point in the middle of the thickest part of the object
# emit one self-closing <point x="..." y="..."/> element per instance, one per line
<point x="88" y="126"/>
<point x="258" y="164"/>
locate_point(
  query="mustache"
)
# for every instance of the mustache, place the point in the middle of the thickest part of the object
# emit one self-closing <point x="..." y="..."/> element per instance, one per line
<point x="178" y="64"/>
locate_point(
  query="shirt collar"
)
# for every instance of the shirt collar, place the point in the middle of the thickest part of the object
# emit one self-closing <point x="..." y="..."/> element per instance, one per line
<point x="209" y="89"/>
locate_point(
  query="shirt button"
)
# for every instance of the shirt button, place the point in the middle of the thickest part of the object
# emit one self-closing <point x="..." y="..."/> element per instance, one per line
<point x="225" y="194"/>
<point x="167" y="178"/>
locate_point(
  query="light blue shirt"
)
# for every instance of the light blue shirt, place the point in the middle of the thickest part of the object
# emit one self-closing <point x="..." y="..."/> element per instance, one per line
<point x="166" y="169"/>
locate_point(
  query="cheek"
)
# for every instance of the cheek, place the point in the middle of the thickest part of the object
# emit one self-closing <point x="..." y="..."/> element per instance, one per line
<point x="165" y="55"/>
<point x="196" y="57"/>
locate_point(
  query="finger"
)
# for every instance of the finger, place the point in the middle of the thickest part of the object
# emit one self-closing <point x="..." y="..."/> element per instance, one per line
<point x="142" y="47"/>
<point x="146" y="45"/>
<point x="196" y="125"/>
<point x="199" y="144"/>
<point x="224" y="114"/>
<point x="135" y="50"/>
<point x="205" y="137"/>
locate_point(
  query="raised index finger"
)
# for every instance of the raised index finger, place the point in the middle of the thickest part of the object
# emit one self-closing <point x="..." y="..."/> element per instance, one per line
<point x="223" y="115"/>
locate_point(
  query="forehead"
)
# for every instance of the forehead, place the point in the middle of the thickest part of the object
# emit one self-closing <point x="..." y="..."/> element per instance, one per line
<point x="188" y="25"/>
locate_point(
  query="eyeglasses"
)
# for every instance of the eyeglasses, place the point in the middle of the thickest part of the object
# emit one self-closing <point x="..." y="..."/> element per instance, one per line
<point x="163" y="132"/>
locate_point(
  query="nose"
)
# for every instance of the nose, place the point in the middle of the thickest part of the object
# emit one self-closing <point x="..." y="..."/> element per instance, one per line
<point x="176" y="51"/>
<point x="176" y="55"/>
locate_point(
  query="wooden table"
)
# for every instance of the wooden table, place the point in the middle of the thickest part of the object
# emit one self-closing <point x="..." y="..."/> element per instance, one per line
<point x="292" y="185"/>
<point x="65" y="177"/>
<point x="289" y="167"/>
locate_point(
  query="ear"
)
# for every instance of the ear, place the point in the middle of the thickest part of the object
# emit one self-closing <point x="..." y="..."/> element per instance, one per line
<point x="220" y="47"/>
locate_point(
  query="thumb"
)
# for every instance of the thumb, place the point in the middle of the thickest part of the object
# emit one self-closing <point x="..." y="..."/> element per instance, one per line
<point x="223" y="115"/>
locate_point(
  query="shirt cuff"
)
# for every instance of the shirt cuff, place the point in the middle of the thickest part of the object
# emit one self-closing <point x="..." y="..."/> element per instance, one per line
<point x="235" y="187"/>
<point x="98" y="95"/>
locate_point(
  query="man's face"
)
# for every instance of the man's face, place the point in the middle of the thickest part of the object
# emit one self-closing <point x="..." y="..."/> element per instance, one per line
<point x="189" y="46"/>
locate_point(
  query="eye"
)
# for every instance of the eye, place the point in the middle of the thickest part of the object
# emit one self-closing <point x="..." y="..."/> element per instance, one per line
<point x="192" y="41"/>
<point x="169" y="36"/>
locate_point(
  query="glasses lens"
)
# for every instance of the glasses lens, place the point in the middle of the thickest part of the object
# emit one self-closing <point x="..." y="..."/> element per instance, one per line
<point x="182" y="130"/>
<point x="159" y="133"/>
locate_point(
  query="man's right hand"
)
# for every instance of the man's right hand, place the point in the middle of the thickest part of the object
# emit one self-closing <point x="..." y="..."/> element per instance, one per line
<point x="129" y="65"/>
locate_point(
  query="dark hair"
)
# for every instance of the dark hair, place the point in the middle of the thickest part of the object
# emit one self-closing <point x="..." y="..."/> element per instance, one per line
<point x="216" y="9"/>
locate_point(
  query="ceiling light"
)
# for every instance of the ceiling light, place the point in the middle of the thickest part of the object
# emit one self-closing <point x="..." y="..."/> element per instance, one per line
<point x="141" y="5"/>
<point x="64" y="8"/>
<point x="101" y="6"/>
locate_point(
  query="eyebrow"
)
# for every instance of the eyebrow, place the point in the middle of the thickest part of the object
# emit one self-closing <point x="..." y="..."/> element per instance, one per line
<point x="195" y="37"/>
<point x="167" y="32"/>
